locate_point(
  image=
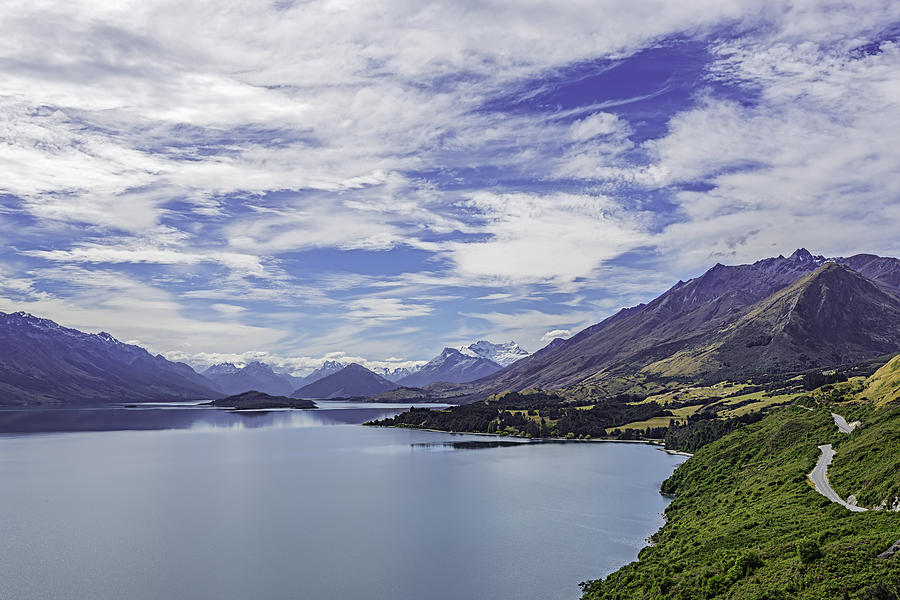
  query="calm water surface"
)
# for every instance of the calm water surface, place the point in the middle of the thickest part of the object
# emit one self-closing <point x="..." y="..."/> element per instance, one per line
<point x="308" y="504"/>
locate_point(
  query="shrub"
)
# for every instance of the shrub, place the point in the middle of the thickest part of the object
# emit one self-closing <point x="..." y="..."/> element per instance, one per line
<point x="808" y="551"/>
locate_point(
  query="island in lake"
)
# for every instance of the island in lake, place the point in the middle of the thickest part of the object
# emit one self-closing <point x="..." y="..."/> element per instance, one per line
<point x="254" y="400"/>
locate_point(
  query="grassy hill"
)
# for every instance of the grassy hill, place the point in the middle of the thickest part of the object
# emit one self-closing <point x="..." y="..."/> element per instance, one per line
<point x="884" y="386"/>
<point x="746" y="524"/>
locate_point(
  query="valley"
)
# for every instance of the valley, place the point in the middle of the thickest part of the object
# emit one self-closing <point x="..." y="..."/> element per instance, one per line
<point x="781" y="378"/>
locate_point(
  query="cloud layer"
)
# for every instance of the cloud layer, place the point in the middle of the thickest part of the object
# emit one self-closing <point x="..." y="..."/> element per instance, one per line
<point x="383" y="178"/>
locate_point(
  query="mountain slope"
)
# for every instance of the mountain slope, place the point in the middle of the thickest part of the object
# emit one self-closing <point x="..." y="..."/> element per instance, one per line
<point x="450" y="366"/>
<point x="42" y="362"/>
<point x="692" y="314"/>
<point x="832" y="316"/>
<point x="253" y="376"/>
<point x="352" y="381"/>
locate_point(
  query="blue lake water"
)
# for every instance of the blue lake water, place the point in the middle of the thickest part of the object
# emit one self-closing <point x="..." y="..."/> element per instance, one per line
<point x="204" y="503"/>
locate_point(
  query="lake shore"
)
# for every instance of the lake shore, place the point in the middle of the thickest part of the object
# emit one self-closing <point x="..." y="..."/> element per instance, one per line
<point x="658" y="443"/>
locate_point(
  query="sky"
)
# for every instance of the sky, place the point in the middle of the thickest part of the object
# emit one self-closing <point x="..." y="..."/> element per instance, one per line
<point x="373" y="181"/>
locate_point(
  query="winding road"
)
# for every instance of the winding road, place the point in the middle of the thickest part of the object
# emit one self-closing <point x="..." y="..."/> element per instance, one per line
<point x="819" y="474"/>
<point x="843" y="425"/>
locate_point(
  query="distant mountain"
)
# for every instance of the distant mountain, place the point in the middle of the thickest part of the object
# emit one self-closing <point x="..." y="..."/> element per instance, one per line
<point x="328" y="367"/>
<point x="42" y="362"/>
<point x="451" y="366"/>
<point x="397" y="373"/>
<point x="352" y="381"/>
<point x="503" y="354"/>
<point x="253" y="376"/>
<point x="731" y="321"/>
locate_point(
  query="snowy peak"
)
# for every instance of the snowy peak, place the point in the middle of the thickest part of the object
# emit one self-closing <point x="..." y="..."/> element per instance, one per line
<point x="396" y="373"/>
<point x="329" y="367"/>
<point x="255" y="376"/>
<point x="503" y="354"/>
<point x="453" y="366"/>
<point x="225" y="368"/>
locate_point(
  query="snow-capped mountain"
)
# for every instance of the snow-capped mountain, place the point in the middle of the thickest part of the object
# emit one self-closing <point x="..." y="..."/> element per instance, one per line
<point x="255" y="376"/>
<point x="42" y="362"/>
<point x="503" y="354"/>
<point x="397" y="373"/>
<point x="329" y="367"/>
<point x="451" y="366"/>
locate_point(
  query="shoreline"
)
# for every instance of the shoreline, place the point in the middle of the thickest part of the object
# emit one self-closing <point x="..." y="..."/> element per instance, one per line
<point x="658" y="443"/>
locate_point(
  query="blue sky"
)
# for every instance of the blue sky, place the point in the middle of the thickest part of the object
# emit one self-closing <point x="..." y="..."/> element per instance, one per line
<point x="372" y="181"/>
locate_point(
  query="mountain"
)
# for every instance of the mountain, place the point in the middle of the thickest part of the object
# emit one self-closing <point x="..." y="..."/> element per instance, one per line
<point x="503" y="354"/>
<point x="451" y="366"/>
<point x="42" y="362"/>
<point x="729" y="321"/>
<point x="253" y="376"/>
<point x="328" y="367"/>
<point x="832" y="316"/>
<point x="397" y="373"/>
<point x="352" y="381"/>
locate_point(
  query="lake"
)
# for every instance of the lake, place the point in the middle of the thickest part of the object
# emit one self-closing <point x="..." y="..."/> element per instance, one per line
<point x="190" y="502"/>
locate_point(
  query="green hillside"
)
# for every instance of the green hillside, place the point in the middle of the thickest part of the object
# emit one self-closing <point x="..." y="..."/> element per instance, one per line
<point x="746" y="524"/>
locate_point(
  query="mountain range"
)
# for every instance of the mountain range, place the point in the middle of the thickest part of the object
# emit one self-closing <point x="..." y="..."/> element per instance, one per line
<point x="452" y="366"/>
<point x="44" y="363"/>
<point x="352" y="381"/>
<point x="256" y="376"/>
<point x="775" y="315"/>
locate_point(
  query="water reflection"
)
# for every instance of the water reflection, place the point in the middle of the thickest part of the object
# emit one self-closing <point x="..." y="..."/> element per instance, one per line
<point x="158" y="416"/>
<point x="471" y="444"/>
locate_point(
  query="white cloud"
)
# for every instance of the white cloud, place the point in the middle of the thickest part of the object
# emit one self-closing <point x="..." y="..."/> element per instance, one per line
<point x="597" y="124"/>
<point x="528" y="327"/>
<point x="554" y="334"/>
<point x="377" y="310"/>
<point x="228" y="309"/>
<point x="812" y="165"/>
<point x="130" y="310"/>
<point x="295" y="365"/>
<point x="247" y="264"/>
<point x="298" y="127"/>
<point x="556" y="237"/>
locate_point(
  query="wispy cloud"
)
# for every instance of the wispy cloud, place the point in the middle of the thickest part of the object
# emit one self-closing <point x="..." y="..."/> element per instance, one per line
<point x="280" y="177"/>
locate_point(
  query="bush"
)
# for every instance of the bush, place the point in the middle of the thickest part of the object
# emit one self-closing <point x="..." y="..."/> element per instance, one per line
<point x="808" y="551"/>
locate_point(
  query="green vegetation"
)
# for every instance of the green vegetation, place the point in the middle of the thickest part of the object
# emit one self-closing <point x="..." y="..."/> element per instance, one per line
<point x="704" y="429"/>
<point x="745" y="523"/>
<point x="883" y="386"/>
<point x="867" y="462"/>
<point x="529" y="413"/>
